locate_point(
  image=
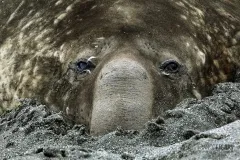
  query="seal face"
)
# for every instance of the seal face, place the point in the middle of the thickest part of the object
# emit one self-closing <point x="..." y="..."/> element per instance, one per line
<point x="113" y="63"/>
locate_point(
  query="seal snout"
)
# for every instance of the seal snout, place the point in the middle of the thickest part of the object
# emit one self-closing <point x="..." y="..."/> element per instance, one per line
<point x="123" y="96"/>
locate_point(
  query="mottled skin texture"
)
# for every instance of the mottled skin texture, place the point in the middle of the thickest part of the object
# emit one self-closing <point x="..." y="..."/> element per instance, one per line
<point x="41" y="43"/>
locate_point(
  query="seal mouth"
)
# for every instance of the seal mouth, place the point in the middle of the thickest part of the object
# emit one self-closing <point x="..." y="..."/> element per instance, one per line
<point x="123" y="96"/>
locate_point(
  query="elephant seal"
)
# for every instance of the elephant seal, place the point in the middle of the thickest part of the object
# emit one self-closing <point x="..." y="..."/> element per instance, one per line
<point x="110" y="63"/>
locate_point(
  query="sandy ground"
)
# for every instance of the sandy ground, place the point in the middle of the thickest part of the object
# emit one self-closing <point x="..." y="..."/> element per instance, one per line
<point x="195" y="129"/>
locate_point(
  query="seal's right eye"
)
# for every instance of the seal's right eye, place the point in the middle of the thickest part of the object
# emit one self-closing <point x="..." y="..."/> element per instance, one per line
<point x="85" y="65"/>
<point x="82" y="65"/>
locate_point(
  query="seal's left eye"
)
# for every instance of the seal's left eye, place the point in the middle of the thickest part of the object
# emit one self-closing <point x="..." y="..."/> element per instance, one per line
<point x="170" y="66"/>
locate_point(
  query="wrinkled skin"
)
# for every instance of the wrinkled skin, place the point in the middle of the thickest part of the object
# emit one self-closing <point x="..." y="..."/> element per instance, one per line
<point x="110" y="63"/>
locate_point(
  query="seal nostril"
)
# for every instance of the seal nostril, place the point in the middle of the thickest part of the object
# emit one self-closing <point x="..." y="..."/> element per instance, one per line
<point x="145" y="76"/>
<point x="101" y="76"/>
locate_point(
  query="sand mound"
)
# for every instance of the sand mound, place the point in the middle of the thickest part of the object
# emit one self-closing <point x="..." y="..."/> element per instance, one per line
<point x="202" y="129"/>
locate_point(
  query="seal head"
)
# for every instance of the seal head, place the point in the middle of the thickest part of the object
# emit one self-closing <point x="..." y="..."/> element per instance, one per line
<point x="113" y="63"/>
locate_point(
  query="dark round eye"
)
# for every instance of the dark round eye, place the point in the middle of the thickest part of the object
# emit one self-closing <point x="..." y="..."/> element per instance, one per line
<point x="170" y="66"/>
<point x="85" y="66"/>
<point x="82" y="65"/>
